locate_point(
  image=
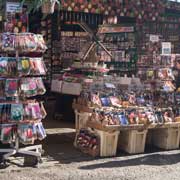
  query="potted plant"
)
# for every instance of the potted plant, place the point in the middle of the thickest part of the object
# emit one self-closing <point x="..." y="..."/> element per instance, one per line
<point x="47" y="6"/>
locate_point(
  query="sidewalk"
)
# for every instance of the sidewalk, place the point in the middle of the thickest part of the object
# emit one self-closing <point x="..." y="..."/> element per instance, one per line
<point x="63" y="161"/>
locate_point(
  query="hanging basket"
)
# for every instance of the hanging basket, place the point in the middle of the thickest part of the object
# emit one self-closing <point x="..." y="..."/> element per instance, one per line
<point x="48" y="6"/>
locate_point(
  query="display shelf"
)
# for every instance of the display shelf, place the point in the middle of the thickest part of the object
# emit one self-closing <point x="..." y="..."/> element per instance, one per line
<point x="14" y="117"/>
<point x="111" y="128"/>
<point x="120" y="41"/>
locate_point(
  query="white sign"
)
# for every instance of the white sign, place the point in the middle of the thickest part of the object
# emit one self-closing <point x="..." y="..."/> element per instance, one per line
<point x="166" y="48"/>
<point x="154" y="38"/>
<point x="13" y="7"/>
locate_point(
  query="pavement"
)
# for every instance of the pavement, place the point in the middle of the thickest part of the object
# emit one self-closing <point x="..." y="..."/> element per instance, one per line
<point x="62" y="161"/>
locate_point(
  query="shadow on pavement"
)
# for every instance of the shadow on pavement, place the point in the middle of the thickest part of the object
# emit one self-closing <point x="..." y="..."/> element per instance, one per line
<point x="151" y="159"/>
<point x="60" y="148"/>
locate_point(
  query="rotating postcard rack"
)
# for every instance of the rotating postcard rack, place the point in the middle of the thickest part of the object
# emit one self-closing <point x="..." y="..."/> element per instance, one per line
<point x="20" y="81"/>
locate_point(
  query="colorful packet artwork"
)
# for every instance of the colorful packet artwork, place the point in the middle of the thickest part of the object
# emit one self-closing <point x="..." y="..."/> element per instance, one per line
<point x="27" y="111"/>
<point x="11" y="87"/>
<point x="41" y="47"/>
<point x="40" y="86"/>
<point x="17" y="112"/>
<point x="8" y="43"/>
<point x="20" y="42"/>
<point x="6" y="133"/>
<point x="123" y="120"/>
<point x="36" y="111"/>
<point x="96" y="100"/>
<point x="12" y="66"/>
<point x="28" y="87"/>
<point x="24" y="66"/>
<point x="3" y="66"/>
<point x="33" y="111"/>
<point x="115" y="101"/>
<point x="39" y="66"/>
<point x="41" y="133"/>
<point x="30" y="45"/>
<point x="26" y="133"/>
<point x="105" y="101"/>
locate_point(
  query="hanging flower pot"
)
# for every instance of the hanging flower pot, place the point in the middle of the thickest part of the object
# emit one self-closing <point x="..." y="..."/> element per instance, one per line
<point x="48" y="6"/>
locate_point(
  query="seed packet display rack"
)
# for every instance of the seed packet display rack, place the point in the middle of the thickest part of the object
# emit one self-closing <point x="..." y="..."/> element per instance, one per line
<point x="36" y="44"/>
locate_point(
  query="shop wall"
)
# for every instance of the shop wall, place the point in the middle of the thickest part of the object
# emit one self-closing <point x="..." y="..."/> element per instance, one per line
<point x="141" y="9"/>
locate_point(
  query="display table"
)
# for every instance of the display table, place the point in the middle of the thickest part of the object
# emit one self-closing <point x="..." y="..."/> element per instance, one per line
<point x="130" y="138"/>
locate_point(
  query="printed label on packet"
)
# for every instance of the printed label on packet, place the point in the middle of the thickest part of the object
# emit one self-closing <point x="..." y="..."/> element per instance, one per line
<point x="24" y="87"/>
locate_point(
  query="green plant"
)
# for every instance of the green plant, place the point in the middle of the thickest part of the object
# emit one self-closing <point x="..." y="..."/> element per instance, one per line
<point x="34" y="5"/>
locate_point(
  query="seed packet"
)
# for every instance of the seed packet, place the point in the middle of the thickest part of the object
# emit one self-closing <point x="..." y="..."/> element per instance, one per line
<point x="168" y="86"/>
<point x="40" y="86"/>
<point x="12" y="66"/>
<point x="3" y="66"/>
<point x="5" y="113"/>
<point x="26" y="133"/>
<point x="165" y="74"/>
<point x="16" y="112"/>
<point x="41" y="133"/>
<point x="142" y="117"/>
<point x="11" y="87"/>
<point x="6" y="133"/>
<point x="177" y="97"/>
<point x="151" y="116"/>
<point x="132" y="117"/>
<point x="30" y="44"/>
<point x="8" y="42"/>
<point x="41" y="46"/>
<point x="105" y="101"/>
<point x="159" y="116"/>
<point x="36" y="111"/>
<point x="37" y="66"/>
<point x="168" y="116"/>
<point x="115" y="101"/>
<point x="26" y="42"/>
<point x="28" y="87"/>
<point x="96" y="100"/>
<point x="27" y="111"/>
<point x="123" y="120"/>
<point x="23" y="66"/>
<point x="140" y="100"/>
<point x="132" y="99"/>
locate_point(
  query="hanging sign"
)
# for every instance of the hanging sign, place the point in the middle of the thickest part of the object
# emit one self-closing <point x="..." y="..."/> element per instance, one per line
<point x="166" y="48"/>
<point x="154" y="38"/>
<point x="13" y="7"/>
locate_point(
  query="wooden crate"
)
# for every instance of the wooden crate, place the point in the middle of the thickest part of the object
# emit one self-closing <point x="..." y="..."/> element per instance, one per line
<point x="168" y="138"/>
<point x="108" y="143"/>
<point x="81" y="119"/>
<point x="132" y="141"/>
